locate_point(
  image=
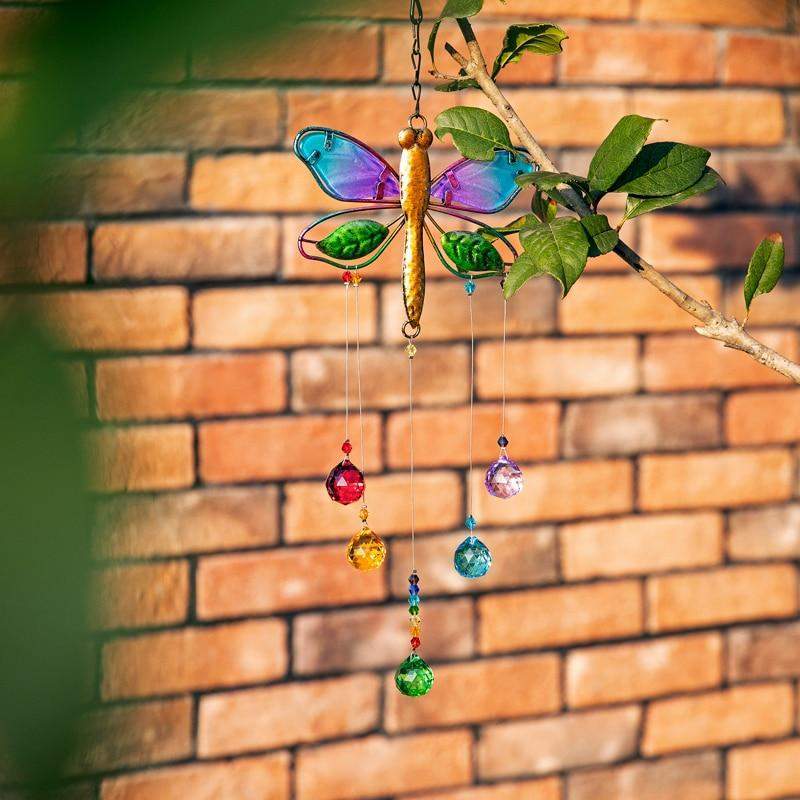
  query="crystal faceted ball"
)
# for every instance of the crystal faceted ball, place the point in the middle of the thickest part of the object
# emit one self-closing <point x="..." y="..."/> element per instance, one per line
<point x="366" y="550"/>
<point x="345" y="483"/>
<point x="414" y="677"/>
<point x="503" y="478"/>
<point x="472" y="558"/>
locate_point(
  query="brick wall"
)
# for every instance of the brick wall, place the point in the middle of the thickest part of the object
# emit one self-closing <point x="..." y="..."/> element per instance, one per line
<point x="637" y="637"/>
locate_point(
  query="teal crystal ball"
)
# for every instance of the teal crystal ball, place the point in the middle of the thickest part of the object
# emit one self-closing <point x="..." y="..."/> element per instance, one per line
<point x="472" y="558"/>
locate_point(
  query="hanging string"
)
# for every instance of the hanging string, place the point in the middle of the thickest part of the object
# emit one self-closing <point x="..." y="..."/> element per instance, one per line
<point x="470" y="483"/>
<point x="362" y="449"/>
<point x="411" y="350"/>
<point x="346" y="361"/>
<point x="503" y="371"/>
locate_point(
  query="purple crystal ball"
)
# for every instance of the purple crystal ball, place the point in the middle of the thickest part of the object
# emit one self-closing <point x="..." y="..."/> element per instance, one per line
<point x="503" y="478"/>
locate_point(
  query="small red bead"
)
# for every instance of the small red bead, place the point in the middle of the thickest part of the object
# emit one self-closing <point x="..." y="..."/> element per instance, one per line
<point x="415" y="642"/>
<point x="347" y="447"/>
<point x="347" y="276"/>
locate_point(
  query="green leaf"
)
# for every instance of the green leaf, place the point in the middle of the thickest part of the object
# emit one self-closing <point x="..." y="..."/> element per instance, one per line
<point x="354" y="239"/>
<point x="602" y="237"/>
<point x="617" y="151"/>
<point x="662" y="168"/>
<point x="457" y="85"/>
<point x="471" y="252"/>
<point x="549" y="180"/>
<point x="765" y="268"/>
<point x="558" y="248"/>
<point x="453" y="9"/>
<point x="476" y="133"/>
<point x="642" y="205"/>
<point x="544" y="39"/>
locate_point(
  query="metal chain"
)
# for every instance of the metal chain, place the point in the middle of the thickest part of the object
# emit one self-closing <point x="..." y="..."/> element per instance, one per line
<point x="415" y="16"/>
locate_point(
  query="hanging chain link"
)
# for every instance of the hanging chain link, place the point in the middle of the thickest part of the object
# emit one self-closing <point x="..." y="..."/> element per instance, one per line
<point x="415" y="16"/>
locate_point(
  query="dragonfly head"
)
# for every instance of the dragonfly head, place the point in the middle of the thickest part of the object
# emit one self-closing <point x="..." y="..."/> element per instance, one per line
<point x="408" y="137"/>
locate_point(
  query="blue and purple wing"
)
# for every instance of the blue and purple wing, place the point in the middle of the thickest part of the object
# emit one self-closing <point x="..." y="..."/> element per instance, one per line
<point x="482" y="187"/>
<point x="345" y="168"/>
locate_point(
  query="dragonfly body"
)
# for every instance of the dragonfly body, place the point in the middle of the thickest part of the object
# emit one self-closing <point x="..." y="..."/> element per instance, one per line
<point x="415" y="187"/>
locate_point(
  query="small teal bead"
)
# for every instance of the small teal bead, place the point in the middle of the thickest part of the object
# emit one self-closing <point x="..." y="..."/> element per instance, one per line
<point x="413" y="600"/>
<point x="469" y="286"/>
<point x="470" y="523"/>
<point x="472" y="558"/>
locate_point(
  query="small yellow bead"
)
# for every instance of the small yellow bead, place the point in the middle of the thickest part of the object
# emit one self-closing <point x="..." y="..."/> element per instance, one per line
<point x="366" y="550"/>
<point x="355" y="279"/>
<point x="415" y="629"/>
<point x="363" y="514"/>
<point x="411" y="349"/>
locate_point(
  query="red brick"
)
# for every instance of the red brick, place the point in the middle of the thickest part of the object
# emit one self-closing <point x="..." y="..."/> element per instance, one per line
<point x="136" y="735"/>
<point x="114" y="184"/>
<point x="483" y="691"/>
<point x="194" y="658"/>
<point x="559" y="616"/>
<point x="260" y="719"/>
<point x="627" y="304"/>
<point x="565" y="490"/>
<point x="682" y="242"/>
<point x="174" y="387"/>
<point x="281" y="580"/>
<point x="721" y="596"/>
<point x="261" y="182"/>
<point x="762" y="60"/>
<point x="143" y="457"/>
<point x="374" y="638"/>
<point x="620" y="54"/>
<point x="765" y="534"/>
<point x="289" y="57"/>
<point x="593" y="9"/>
<point x="759" y="179"/>
<point x="446" y="316"/>
<point x="578" y="367"/>
<point x="764" y="651"/>
<point x="449" y="430"/>
<point x="51" y="253"/>
<point x="118" y="319"/>
<point x="142" y="595"/>
<point x="726" y="717"/>
<point x="779" y="307"/>
<point x="676" y="363"/>
<point x="440" y="377"/>
<point x="310" y="516"/>
<point x="745" y="13"/>
<point x="188" y="522"/>
<point x="558" y="743"/>
<point x="276" y="316"/>
<point x="527" y="71"/>
<point x="542" y="789"/>
<point x="693" y="776"/>
<point x="699" y="480"/>
<point x="636" y="424"/>
<point x="523" y="557"/>
<point x="641" y="544"/>
<point x="196" y="118"/>
<point x="711" y="118"/>
<point x="764" y="771"/>
<point x="619" y="673"/>
<point x="404" y="764"/>
<point x="193" y="249"/>
<point x="264" y="777"/>
<point x="767" y="417"/>
<point x="261" y="449"/>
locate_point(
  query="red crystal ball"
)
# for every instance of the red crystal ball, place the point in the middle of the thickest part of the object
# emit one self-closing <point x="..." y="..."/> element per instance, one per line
<point x="345" y="483"/>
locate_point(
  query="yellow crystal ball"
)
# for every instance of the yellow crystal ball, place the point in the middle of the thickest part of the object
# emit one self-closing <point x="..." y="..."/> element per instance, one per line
<point x="366" y="550"/>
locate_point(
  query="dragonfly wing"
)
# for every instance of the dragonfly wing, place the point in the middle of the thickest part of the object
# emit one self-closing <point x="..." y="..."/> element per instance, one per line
<point x="345" y="168"/>
<point x="480" y="186"/>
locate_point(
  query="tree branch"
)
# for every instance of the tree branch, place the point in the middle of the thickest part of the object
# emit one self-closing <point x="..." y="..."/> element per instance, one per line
<point x="715" y="325"/>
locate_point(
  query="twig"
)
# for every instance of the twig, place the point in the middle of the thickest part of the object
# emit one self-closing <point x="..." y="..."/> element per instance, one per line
<point x="715" y="325"/>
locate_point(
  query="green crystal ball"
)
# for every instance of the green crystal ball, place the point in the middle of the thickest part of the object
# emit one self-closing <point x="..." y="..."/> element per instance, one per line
<point x="414" y="677"/>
